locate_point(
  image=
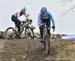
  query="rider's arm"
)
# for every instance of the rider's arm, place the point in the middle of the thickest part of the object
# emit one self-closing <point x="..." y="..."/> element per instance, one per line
<point x="39" y="20"/>
<point x="52" y="19"/>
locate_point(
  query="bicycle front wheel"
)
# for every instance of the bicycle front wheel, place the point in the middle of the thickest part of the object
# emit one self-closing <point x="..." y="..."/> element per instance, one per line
<point x="29" y="33"/>
<point x="46" y="40"/>
<point x="47" y="44"/>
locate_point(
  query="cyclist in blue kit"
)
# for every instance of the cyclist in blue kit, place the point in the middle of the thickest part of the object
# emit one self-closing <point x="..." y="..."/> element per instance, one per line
<point x="45" y="17"/>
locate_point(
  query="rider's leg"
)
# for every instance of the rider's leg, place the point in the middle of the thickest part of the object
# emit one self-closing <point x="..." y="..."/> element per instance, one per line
<point x="18" y="26"/>
<point x="17" y="22"/>
<point x="18" y="31"/>
<point x="41" y="35"/>
<point x="48" y="30"/>
<point x="41" y="32"/>
<point x="48" y="25"/>
<point x="13" y="18"/>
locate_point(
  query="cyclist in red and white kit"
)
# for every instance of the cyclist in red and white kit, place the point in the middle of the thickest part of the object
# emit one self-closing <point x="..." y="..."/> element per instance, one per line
<point x="15" y="18"/>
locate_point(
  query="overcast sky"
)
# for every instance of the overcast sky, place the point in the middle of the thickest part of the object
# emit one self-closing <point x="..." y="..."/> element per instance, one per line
<point x="64" y="23"/>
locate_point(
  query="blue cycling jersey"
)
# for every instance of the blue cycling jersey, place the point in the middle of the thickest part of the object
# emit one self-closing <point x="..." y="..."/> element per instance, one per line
<point x="46" y="16"/>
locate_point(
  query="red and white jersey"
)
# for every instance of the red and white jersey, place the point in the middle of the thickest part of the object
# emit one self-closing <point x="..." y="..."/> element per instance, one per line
<point x="20" y="16"/>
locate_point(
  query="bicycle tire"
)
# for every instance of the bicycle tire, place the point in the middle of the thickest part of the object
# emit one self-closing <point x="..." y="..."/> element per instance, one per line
<point x="46" y="41"/>
<point x="11" y="35"/>
<point x="29" y="33"/>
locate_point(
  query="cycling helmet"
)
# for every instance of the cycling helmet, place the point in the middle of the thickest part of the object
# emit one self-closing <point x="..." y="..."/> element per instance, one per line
<point x="43" y="10"/>
<point x="23" y="10"/>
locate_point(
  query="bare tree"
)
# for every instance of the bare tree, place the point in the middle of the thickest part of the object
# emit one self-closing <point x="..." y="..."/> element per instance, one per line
<point x="71" y="8"/>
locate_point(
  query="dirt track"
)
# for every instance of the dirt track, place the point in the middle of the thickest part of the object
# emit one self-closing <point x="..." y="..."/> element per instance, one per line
<point x="31" y="50"/>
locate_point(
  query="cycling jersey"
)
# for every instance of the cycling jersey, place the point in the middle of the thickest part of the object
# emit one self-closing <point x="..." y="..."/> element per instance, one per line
<point x="46" y="16"/>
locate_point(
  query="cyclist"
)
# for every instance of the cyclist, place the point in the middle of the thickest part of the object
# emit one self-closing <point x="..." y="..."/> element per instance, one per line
<point x="45" y="17"/>
<point x="15" y="18"/>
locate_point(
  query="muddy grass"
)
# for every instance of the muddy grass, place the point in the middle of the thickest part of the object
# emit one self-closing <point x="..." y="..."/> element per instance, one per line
<point x="31" y="50"/>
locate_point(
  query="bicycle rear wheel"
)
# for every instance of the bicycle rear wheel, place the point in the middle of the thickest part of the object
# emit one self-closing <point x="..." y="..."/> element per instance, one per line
<point x="10" y="32"/>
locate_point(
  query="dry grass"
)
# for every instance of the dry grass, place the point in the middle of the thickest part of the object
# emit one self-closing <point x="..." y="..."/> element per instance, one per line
<point x="31" y="50"/>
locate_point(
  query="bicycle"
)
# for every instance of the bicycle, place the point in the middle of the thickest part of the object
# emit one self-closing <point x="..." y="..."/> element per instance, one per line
<point x="12" y="32"/>
<point x="46" y="40"/>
